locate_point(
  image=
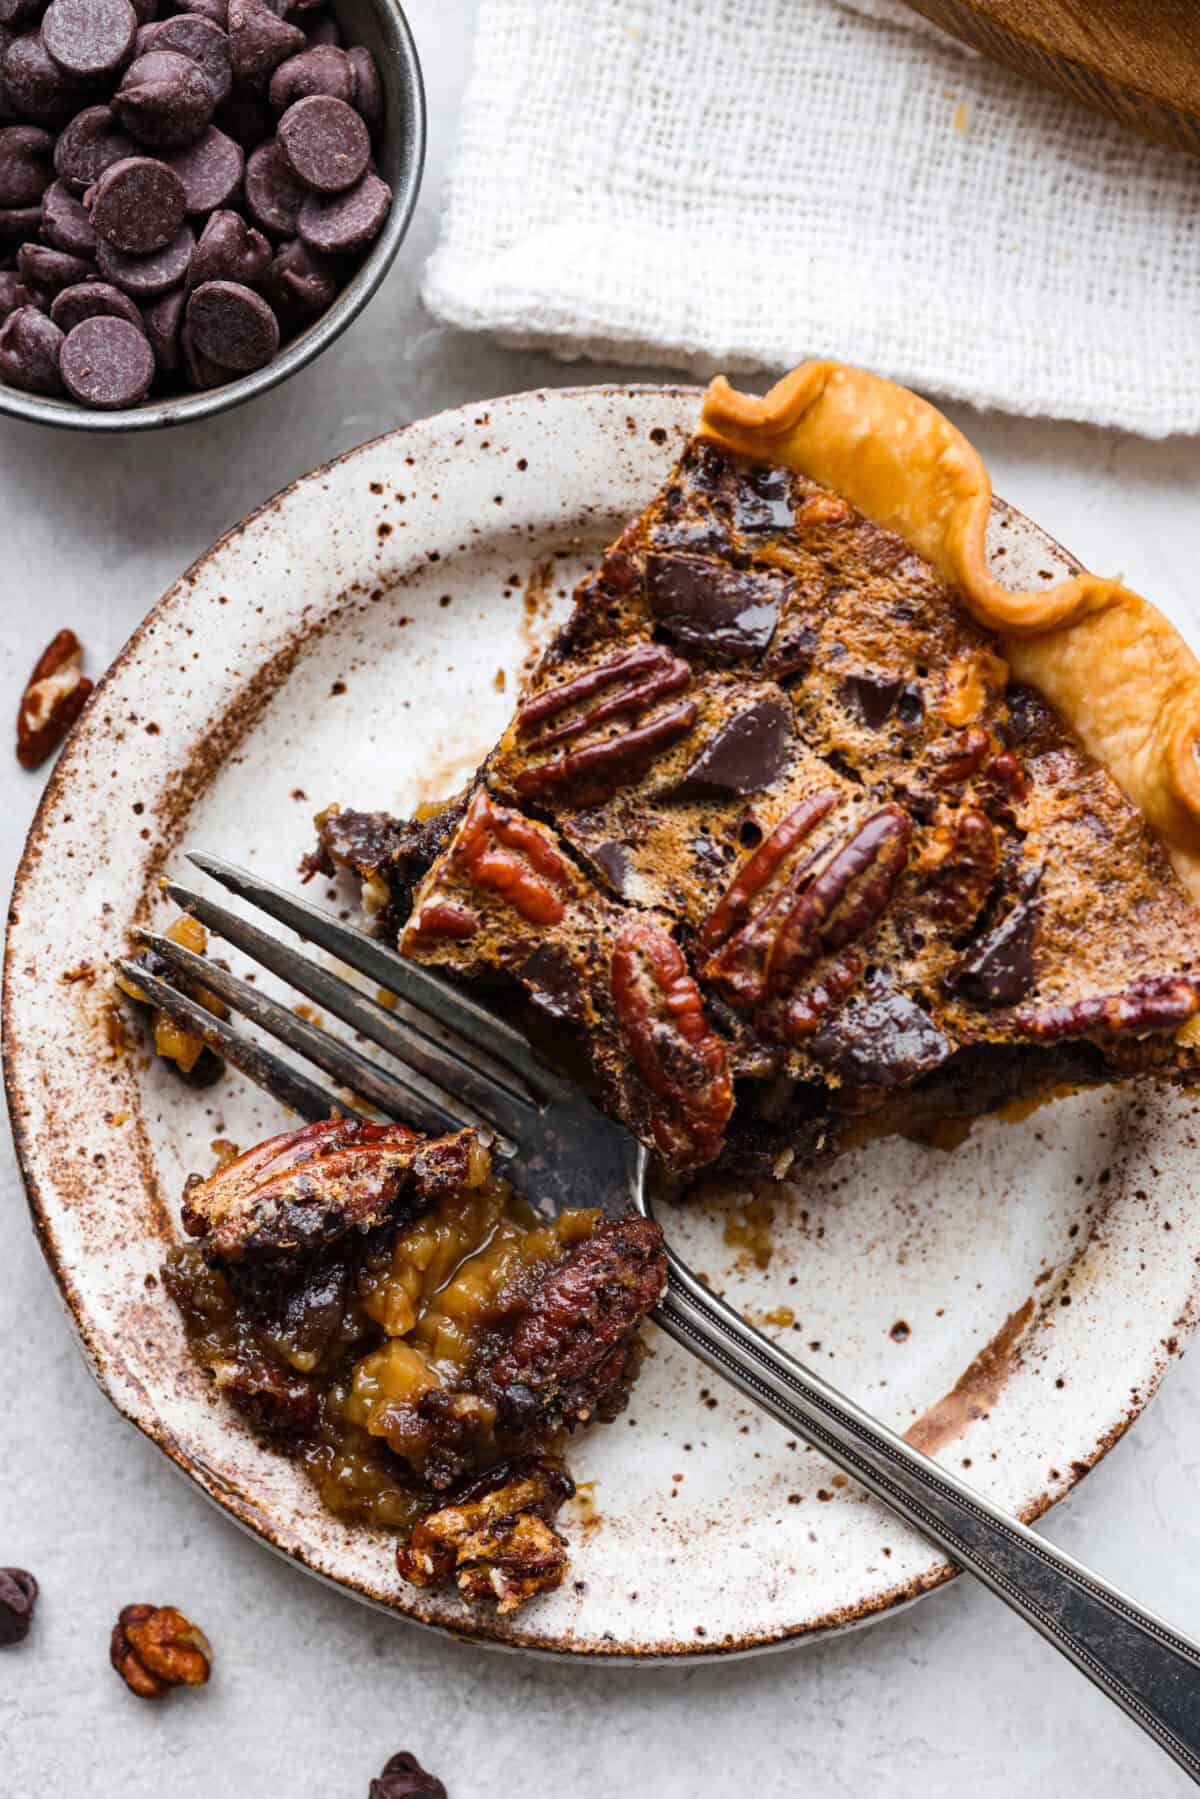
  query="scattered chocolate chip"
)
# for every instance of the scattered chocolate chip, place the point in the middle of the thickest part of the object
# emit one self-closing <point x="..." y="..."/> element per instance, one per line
<point x="259" y="41"/>
<point x="18" y="1600"/>
<point x="743" y="756"/>
<point x="164" y="100"/>
<point x="66" y="222"/>
<point x="340" y="224"/>
<point x="26" y="164"/>
<point x="145" y="277"/>
<point x="273" y="194"/>
<point x="29" y="350"/>
<point x="107" y="363"/>
<point x="713" y="609"/>
<point x="51" y="270"/>
<point x="93" y="300"/>
<point x="232" y="325"/>
<point x="211" y="170"/>
<point x="91" y="143"/>
<point x="204" y="42"/>
<point x="322" y="69"/>
<point x="163" y="322"/>
<point x="138" y="205"/>
<point x="324" y="143"/>
<point x="404" y="1778"/>
<point x="881" y="1038"/>
<point x="229" y="250"/>
<point x="368" y="88"/>
<point x="89" y="38"/>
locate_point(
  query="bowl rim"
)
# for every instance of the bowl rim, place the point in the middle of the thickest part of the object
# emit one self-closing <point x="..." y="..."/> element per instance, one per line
<point x="157" y="415"/>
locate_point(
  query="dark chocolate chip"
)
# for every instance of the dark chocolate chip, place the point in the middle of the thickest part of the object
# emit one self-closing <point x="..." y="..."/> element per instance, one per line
<point x="708" y="607"/>
<point x="743" y="756"/>
<point x="145" y="277"/>
<point x="229" y="250"/>
<point x="17" y="223"/>
<point x="215" y="10"/>
<point x="107" y="363"/>
<point x="93" y="300"/>
<point x="232" y="326"/>
<point x="138" y="205"/>
<point x="211" y="170"/>
<point x="323" y="31"/>
<point x="323" y="70"/>
<point x="66" y="222"/>
<point x="324" y="143"/>
<point x="205" y="43"/>
<point x="26" y="164"/>
<point x="13" y="293"/>
<point x="202" y="372"/>
<point x="18" y="1600"/>
<point x="37" y="89"/>
<point x="999" y="969"/>
<point x="164" y="100"/>
<point x="872" y="697"/>
<point x="553" y="982"/>
<point x="403" y="1777"/>
<point x="89" y="38"/>
<point x="91" y="143"/>
<point x="50" y="269"/>
<point x="163" y="322"/>
<point x="368" y="88"/>
<point x="274" y="196"/>
<point x="146" y="11"/>
<point x="299" y="283"/>
<point x="340" y="224"/>
<point x="881" y="1038"/>
<point x="15" y="13"/>
<point x="259" y="41"/>
<point x="29" y="350"/>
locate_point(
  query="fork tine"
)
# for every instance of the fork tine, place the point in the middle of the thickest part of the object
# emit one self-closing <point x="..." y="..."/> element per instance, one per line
<point x="443" y="1070"/>
<point x="401" y="1094"/>
<point x="278" y="1078"/>
<point x="422" y="989"/>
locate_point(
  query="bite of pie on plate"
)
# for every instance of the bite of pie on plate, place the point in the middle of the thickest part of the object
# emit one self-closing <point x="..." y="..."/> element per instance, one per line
<point x="805" y="828"/>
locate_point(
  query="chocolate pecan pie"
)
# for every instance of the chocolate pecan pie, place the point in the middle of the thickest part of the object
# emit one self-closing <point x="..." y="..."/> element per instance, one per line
<point x="805" y="825"/>
<point x="384" y="1309"/>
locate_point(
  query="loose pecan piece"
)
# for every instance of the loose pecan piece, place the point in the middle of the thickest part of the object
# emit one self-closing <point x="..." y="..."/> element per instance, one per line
<point x="674" y="1048"/>
<point x="740" y="933"/>
<point x="847" y="897"/>
<point x="52" y="701"/>
<point x="499" y="850"/>
<point x="1155" y="1004"/>
<point x="495" y="1536"/>
<point x="958" y="867"/>
<point x="155" y="1648"/>
<point x="641" y="676"/>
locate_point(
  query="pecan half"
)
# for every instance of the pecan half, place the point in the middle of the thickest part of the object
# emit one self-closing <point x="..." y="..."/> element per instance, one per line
<point x="442" y="919"/>
<point x="641" y="675"/>
<point x="499" y="850"/>
<point x="674" y="1048"/>
<point x="52" y="701"/>
<point x="495" y="1537"/>
<point x="847" y="897"/>
<point x="596" y="768"/>
<point x="155" y="1648"/>
<point x="956" y="759"/>
<point x="1155" y="1004"/>
<point x="739" y="933"/>
<point x="958" y="867"/>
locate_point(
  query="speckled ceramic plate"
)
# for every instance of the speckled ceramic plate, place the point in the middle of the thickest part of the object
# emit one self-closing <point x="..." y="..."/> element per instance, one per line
<point x="1012" y="1305"/>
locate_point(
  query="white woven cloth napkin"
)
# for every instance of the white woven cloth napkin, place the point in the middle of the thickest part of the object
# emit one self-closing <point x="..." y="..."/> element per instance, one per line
<point x="739" y="184"/>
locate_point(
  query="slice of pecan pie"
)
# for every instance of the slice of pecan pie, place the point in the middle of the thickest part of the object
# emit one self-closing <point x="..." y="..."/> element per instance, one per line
<point x="806" y="825"/>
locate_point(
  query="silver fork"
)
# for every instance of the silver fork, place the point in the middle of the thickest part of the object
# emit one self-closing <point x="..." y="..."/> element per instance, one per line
<point x="452" y="1063"/>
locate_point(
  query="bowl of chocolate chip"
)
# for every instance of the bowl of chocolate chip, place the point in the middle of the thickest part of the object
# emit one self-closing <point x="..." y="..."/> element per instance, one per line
<point x="196" y="196"/>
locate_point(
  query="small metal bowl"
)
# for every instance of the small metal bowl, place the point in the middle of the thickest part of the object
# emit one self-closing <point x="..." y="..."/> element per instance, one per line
<point x="382" y="26"/>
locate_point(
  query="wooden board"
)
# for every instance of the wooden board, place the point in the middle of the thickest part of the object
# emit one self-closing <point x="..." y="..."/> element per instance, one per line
<point x="1137" y="60"/>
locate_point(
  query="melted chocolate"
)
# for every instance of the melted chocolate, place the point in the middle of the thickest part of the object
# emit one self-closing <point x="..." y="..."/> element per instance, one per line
<point x="707" y="606"/>
<point x="763" y="501"/>
<point x="744" y="756"/>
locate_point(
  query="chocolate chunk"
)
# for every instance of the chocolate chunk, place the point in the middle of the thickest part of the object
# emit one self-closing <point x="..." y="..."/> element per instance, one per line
<point x="610" y="858"/>
<point x="553" y="982"/>
<point x="26" y="164"/>
<point x="91" y="143"/>
<point x="205" y="43"/>
<point x="999" y="969"/>
<point x="93" y="300"/>
<point x="881" y="1038"/>
<point x="232" y="326"/>
<point x="66" y="223"/>
<point x="743" y="756"/>
<point x="340" y="224"/>
<point x="50" y="269"/>
<point x="299" y="283"/>
<point x="719" y="611"/>
<point x="138" y="205"/>
<point x="368" y="88"/>
<point x="107" y="363"/>
<point x="37" y="89"/>
<point x="29" y="351"/>
<point x="762" y="501"/>
<point x="872" y="697"/>
<point x="324" y="143"/>
<point x="229" y="250"/>
<point x="259" y="41"/>
<point x="320" y="70"/>
<point x="793" y="646"/>
<point x="145" y="277"/>
<point x="164" y="100"/>
<point x="273" y="194"/>
<point x="89" y="38"/>
<point x="163" y="322"/>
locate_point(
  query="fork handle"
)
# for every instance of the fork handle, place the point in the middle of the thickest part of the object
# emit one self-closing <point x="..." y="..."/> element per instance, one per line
<point x="1151" y="1671"/>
